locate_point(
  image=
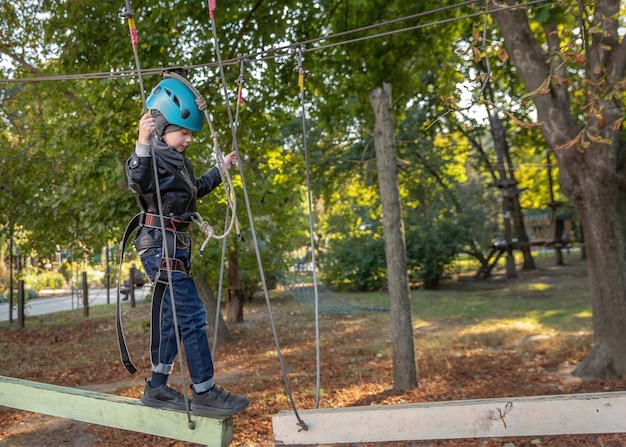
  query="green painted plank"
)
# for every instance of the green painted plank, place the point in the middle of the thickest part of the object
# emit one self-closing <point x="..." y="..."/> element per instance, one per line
<point x="113" y="411"/>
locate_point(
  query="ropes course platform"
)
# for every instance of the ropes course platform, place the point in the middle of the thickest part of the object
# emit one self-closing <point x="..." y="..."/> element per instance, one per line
<point x="113" y="411"/>
<point x="483" y="418"/>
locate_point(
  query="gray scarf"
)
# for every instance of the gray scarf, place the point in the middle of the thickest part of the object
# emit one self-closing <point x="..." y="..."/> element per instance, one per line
<point x="162" y="126"/>
<point x="170" y="154"/>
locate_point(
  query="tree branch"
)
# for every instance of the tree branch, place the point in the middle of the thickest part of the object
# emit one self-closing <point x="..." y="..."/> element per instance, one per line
<point x="531" y="64"/>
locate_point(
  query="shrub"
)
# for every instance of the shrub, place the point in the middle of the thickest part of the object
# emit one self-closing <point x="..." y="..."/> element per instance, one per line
<point x="356" y="262"/>
<point x="44" y="280"/>
<point x="432" y="248"/>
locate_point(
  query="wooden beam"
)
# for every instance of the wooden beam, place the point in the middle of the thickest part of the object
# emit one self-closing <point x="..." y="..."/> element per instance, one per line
<point x="483" y="418"/>
<point x="113" y="411"/>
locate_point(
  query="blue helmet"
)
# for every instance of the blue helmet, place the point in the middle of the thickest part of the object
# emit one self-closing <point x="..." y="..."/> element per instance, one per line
<point x="177" y="103"/>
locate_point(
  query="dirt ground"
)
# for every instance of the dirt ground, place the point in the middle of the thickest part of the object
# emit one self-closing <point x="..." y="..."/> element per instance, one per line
<point x="357" y="370"/>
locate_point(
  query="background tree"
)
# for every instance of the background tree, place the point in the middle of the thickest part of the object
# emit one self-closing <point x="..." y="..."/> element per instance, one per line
<point x="571" y="58"/>
<point x="444" y="204"/>
<point x="404" y="368"/>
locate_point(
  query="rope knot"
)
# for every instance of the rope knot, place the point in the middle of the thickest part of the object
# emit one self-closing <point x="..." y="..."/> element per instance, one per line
<point x="207" y="229"/>
<point x="201" y="103"/>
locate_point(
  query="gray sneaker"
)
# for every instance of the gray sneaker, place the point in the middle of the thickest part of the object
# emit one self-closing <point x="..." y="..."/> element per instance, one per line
<point x="163" y="397"/>
<point x="217" y="402"/>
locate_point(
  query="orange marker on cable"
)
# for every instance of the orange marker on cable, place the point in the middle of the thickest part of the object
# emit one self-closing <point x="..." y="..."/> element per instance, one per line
<point x="212" y="8"/>
<point x="134" y="37"/>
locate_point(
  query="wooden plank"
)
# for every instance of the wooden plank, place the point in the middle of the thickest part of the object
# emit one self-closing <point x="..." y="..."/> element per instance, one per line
<point x="113" y="411"/>
<point x="482" y="418"/>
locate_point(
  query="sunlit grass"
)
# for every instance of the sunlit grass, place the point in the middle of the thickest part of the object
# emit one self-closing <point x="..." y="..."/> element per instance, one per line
<point x="495" y="314"/>
<point x="536" y="287"/>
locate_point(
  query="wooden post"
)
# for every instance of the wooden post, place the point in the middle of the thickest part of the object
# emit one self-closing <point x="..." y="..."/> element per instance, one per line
<point x="11" y="259"/>
<point x="404" y="369"/>
<point x="85" y="295"/>
<point x="20" y="303"/>
<point x="107" y="274"/>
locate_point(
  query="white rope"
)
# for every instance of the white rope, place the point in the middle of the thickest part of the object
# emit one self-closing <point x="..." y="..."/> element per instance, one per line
<point x="300" y="422"/>
<point x="301" y="75"/>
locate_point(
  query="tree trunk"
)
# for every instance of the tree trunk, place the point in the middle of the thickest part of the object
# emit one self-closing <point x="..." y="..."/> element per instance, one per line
<point x="591" y="160"/>
<point x="210" y="303"/>
<point x="234" y="313"/>
<point x="506" y="168"/>
<point x="518" y="220"/>
<point x="404" y="368"/>
<point x="605" y="239"/>
<point x="522" y="236"/>
<point x="505" y="185"/>
<point x="554" y="206"/>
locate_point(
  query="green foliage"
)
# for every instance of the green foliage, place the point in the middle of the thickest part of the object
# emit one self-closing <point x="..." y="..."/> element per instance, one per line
<point x="45" y="280"/>
<point x="432" y="246"/>
<point x="356" y="262"/>
<point x="66" y="142"/>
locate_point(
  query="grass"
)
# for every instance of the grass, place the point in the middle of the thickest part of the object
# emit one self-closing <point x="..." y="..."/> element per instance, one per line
<point x="547" y="309"/>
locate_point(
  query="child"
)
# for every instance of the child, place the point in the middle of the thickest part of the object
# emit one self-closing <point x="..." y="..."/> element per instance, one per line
<point x="168" y="129"/>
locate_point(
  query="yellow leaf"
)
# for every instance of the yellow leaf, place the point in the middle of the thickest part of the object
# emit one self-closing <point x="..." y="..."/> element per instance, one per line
<point x="601" y="121"/>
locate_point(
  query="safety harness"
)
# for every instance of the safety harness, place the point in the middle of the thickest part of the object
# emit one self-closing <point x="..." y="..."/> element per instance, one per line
<point x="173" y="226"/>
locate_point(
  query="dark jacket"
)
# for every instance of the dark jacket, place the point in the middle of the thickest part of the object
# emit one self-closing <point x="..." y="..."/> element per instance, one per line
<point x="178" y="185"/>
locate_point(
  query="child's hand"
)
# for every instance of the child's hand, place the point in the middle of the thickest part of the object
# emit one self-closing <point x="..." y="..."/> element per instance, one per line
<point x="146" y="127"/>
<point x="230" y="160"/>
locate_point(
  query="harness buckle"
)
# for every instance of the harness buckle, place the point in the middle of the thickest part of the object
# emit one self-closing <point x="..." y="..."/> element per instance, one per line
<point x="174" y="265"/>
<point x="171" y="223"/>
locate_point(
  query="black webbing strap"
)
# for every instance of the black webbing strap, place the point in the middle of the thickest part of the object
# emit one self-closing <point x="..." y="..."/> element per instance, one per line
<point x="155" y="317"/>
<point x="156" y="314"/>
<point x="157" y="296"/>
<point x="121" y="340"/>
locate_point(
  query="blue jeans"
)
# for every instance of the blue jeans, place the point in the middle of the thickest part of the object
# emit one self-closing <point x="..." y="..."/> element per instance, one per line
<point x="191" y="319"/>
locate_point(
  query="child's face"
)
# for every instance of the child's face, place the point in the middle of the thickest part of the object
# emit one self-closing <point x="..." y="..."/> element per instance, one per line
<point x="179" y="139"/>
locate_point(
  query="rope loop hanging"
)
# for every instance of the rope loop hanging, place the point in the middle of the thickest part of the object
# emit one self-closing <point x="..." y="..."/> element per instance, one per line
<point x="240" y="102"/>
<point x="208" y="231"/>
<point x="226" y="178"/>
<point x="301" y="423"/>
<point x="301" y="75"/>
